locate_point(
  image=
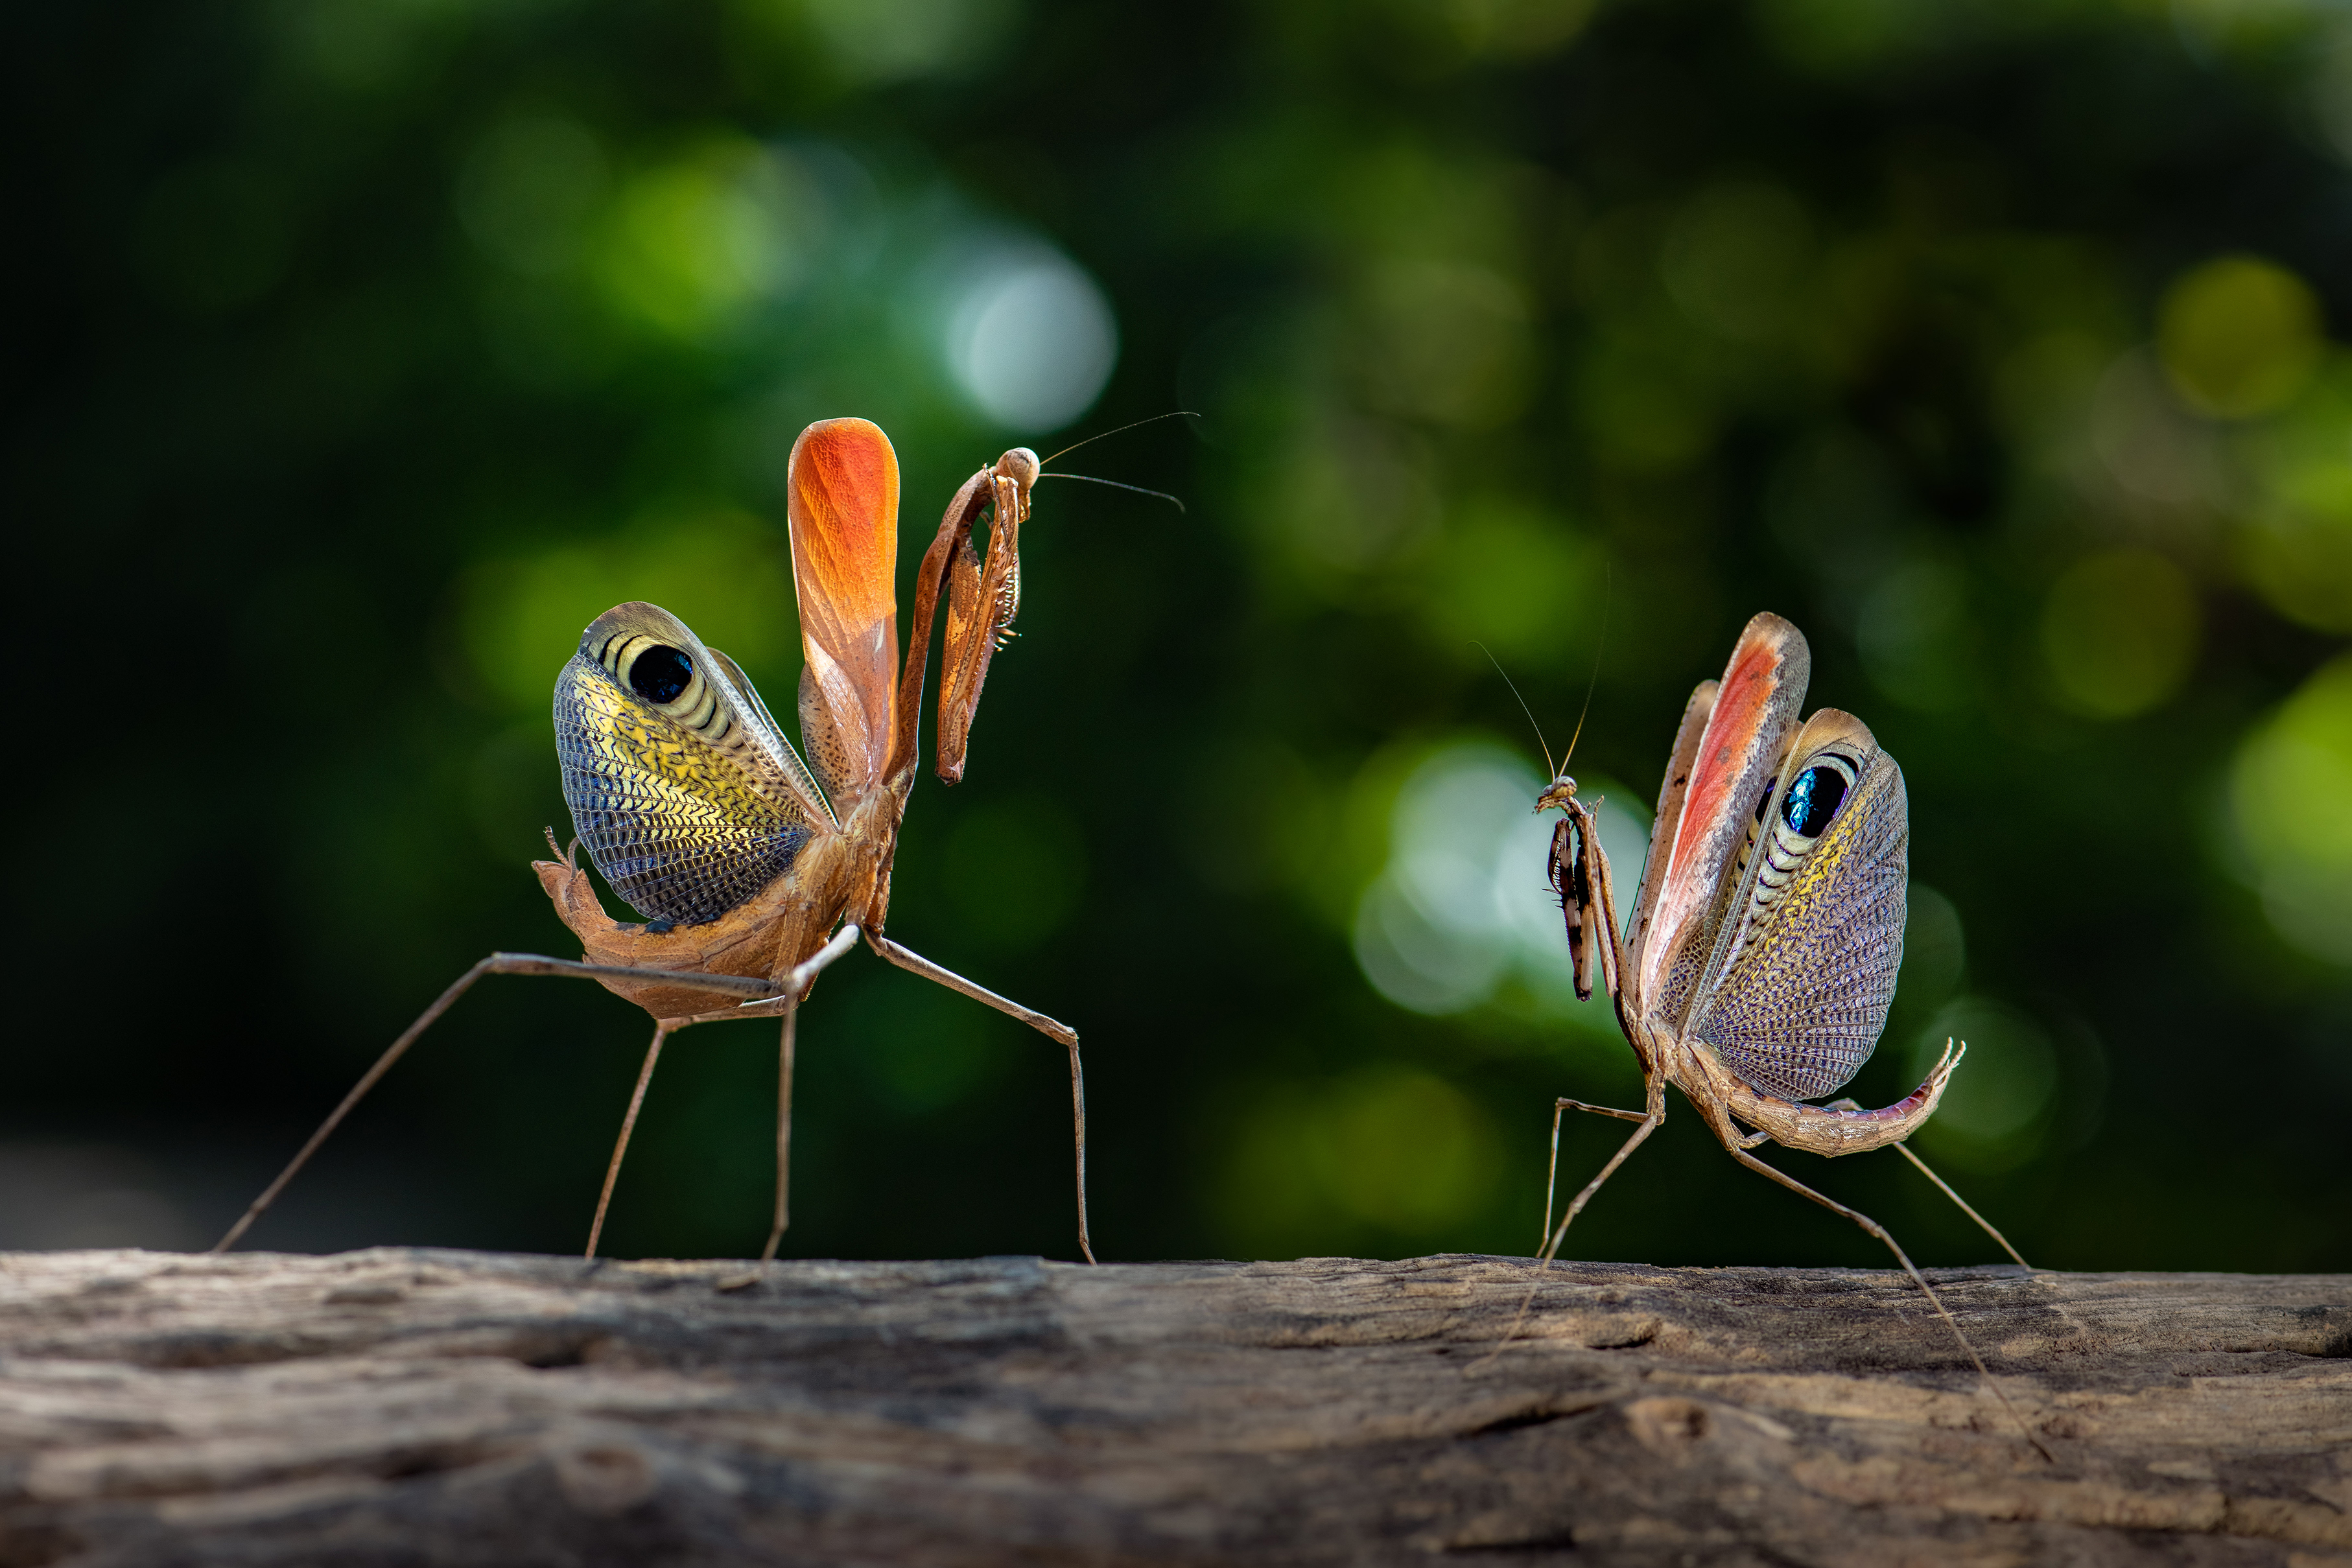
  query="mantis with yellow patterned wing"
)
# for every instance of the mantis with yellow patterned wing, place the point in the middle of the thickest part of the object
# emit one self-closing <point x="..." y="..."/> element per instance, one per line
<point x="756" y="868"/>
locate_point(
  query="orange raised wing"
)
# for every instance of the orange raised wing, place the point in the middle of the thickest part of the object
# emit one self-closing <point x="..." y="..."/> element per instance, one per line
<point x="844" y="521"/>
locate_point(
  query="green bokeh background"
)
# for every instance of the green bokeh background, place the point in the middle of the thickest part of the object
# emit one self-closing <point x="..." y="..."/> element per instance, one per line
<point x="363" y="350"/>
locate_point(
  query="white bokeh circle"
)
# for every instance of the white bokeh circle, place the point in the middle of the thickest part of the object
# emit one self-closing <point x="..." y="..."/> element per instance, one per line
<point x="1032" y="341"/>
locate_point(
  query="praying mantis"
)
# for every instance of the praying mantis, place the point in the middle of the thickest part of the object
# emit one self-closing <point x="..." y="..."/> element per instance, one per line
<point x="756" y="866"/>
<point x="1760" y="961"/>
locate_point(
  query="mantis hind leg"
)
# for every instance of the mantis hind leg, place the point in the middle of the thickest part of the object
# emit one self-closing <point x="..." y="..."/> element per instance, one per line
<point x="1946" y="1188"/>
<point x="784" y="1214"/>
<point x="621" y="1145"/>
<point x="1941" y="1185"/>
<point x="1983" y="1224"/>
<point x="496" y="963"/>
<point x="793" y="985"/>
<point x="1887" y="1235"/>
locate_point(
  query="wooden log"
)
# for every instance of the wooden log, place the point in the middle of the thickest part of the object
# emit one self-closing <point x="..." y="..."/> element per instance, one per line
<point x="417" y="1407"/>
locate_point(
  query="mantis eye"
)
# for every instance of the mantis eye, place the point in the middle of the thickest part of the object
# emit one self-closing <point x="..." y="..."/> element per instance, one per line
<point x="1814" y="798"/>
<point x="659" y="672"/>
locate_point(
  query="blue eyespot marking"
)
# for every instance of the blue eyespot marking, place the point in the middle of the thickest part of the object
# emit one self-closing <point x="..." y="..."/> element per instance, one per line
<point x="660" y="672"/>
<point x="1813" y="799"/>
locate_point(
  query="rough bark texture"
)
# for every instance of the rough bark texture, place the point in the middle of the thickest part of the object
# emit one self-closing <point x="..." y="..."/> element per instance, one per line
<point x="402" y="1407"/>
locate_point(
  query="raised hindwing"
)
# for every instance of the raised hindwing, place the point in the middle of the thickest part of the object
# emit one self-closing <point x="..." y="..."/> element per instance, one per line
<point x="1802" y="970"/>
<point x="844" y="506"/>
<point x="1737" y="753"/>
<point x="1673" y="790"/>
<point x="688" y="796"/>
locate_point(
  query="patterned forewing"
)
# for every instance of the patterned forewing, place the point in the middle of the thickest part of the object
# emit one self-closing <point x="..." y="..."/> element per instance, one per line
<point x="761" y="729"/>
<point x="1804" y="998"/>
<point x="683" y="829"/>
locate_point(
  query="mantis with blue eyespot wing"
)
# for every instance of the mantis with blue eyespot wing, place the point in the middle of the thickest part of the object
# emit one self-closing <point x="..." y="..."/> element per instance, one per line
<point x="1760" y="961"/>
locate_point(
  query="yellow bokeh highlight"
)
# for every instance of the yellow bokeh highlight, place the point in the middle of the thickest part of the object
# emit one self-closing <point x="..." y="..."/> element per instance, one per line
<point x="1510" y="29"/>
<point x="2119" y="632"/>
<point x="1385" y="1153"/>
<point x="1446" y="342"/>
<point x="1835" y="36"/>
<point x="1642" y="408"/>
<point x="722" y="571"/>
<point x="1737" y="257"/>
<point x="2296" y="541"/>
<point x="2291" y="799"/>
<point x="530" y="189"/>
<point x="1015" y="869"/>
<point x="690" y="243"/>
<point x="2240" y="336"/>
<point x="1349" y="498"/>
<point x="1518" y="580"/>
<point x="874" y="41"/>
<point x="1996" y="1115"/>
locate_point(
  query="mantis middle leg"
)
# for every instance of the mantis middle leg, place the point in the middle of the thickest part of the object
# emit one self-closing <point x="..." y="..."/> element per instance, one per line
<point x="795" y="985"/>
<point x="1652" y="1118"/>
<point x="1551" y="1175"/>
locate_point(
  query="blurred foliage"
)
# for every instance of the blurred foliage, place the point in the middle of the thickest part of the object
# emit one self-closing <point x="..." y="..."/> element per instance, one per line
<point x="365" y="350"/>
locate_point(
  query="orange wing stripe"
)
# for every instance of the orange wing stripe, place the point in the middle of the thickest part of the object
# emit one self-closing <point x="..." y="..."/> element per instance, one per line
<point x="845" y="527"/>
<point x="1740" y="706"/>
<point x="1754" y="706"/>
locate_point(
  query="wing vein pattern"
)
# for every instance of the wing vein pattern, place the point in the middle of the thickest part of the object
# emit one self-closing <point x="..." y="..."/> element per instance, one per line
<point x="684" y="805"/>
<point x="1804" y="995"/>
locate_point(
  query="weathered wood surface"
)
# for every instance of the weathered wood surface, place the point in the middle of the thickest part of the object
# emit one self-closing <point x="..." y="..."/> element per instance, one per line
<point x="408" y="1407"/>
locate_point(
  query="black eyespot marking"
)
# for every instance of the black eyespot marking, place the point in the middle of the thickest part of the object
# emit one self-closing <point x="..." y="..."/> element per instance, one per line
<point x="1765" y="799"/>
<point x="1813" y="799"/>
<point x="660" y="672"/>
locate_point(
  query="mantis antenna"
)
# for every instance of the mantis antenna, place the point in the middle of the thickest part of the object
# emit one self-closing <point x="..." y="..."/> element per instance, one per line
<point x="1608" y="582"/>
<point x="1591" y="682"/>
<point x="1117" y="484"/>
<point x="1523" y="705"/>
<point x="1154" y="419"/>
